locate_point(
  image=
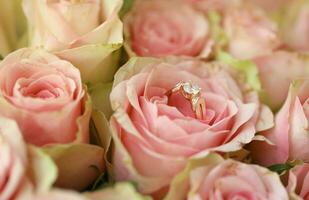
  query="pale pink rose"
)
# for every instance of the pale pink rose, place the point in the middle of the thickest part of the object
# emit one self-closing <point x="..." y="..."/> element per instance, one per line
<point x="295" y="25"/>
<point x="21" y="167"/>
<point x="249" y="31"/>
<point x="156" y="28"/>
<point x="45" y="96"/>
<point x="290" y="136"/>
<point x="298" y="182"/>
<point x="277" y="71"/>
<point x="84" y="32"/>
<point x="216" y="179"/>
<point x="155" y="135"/>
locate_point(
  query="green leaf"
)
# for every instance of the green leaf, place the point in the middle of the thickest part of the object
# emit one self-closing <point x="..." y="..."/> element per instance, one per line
<point x="247" y="67"/>
<point x="280" y="168"/>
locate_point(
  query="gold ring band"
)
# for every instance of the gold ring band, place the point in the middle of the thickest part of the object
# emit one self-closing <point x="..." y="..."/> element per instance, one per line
<point x="193" y="94"/>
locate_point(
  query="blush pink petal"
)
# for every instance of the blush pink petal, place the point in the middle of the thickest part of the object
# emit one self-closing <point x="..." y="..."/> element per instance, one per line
<point x="202" y="140"/>
<point x="279" y="135"/>
<point x="299" y="128"/>
<point x="147" y="160"/>
<point x="166" y="148"/>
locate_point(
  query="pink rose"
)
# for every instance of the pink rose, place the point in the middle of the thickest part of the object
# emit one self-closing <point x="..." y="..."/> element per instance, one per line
<point x="215" y="178"/>
<point x="298" y="182"/>
<point x="88" y="41"/>
<point x="21" y="168"/>
<point x="249" y="31"/>
<point x="155" y="135"/>
<point x="295" y="25"/>
<point x="45" y="96"/>
<point x="290" y="135"/>
<point x="277" y="71"/>
<point x="156" y="28"/>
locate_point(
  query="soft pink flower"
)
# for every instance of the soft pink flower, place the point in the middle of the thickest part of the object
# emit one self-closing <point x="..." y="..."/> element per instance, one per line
<point x="156" y="28"/>
<point x="249" y="31"/>
<point x="155" y="135"/>
<point x="45" y="96"/>
<point x="277" y="71"/>
<point x="299" y="181"/>
<point x="226" y="179"/>
<point x="21" y="168"/>
<point x="290" y="135"/>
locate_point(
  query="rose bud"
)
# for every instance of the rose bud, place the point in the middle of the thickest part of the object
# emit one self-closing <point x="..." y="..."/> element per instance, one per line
<point x="45" y="96"/>
<point x="215" y="178"/>
<point x="88" y="41"/>
<point x="22" y="170"/>
<point x="156" y="128"/>
<point x="156" y="28"/>
<point x="289" y="138"/>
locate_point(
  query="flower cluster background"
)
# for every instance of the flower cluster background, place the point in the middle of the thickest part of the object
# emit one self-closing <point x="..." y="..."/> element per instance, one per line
<point x="86" y="111"/>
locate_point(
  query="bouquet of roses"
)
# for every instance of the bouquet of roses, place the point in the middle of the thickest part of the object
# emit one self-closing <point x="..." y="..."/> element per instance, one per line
<point x="154" y="99"/>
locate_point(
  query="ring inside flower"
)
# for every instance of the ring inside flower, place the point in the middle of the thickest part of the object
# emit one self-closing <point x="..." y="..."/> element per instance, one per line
<point x="193" y="94"/>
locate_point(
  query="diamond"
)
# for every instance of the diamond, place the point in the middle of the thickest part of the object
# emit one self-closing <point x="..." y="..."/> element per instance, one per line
<point x="192" y="90"/>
